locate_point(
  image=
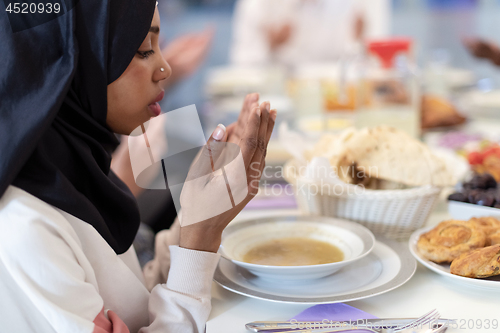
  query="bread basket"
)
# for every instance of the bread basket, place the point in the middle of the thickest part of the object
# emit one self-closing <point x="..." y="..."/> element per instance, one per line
<point x="394" y="213"/>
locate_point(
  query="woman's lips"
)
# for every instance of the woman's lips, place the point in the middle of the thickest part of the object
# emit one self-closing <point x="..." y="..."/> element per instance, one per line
<point x="154" y="107"/>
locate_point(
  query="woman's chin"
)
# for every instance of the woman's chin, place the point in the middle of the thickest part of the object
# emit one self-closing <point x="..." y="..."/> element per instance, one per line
<point x="154" y="109"/>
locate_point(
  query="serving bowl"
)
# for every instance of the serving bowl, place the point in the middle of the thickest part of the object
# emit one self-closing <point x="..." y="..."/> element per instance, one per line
<point x="354" y="240"/>
<point x="392" y="213"/>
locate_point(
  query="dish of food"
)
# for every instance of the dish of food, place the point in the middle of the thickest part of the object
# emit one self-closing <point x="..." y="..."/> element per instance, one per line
<point x="287" y="248"/>
<point x="481" y="190"/>
<point x="453" y="249"/>
<point x="387" y="267"/>
<point x="380" y="177"/>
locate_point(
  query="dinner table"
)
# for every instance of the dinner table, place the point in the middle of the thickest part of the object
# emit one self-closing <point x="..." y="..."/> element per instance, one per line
<point x="473" y="309"/>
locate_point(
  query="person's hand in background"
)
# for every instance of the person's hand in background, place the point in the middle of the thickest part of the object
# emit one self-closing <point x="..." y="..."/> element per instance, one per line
<point x="359" y="27"/>
<point x="484" y="49"/>
<point x="277" y="36"/>
<point x="186" y="53"/>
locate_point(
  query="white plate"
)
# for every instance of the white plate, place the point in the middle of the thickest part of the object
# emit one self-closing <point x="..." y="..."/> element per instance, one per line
<point x="492" y="283"/>
<point x="465" y="211"/>
<point x="387" y="267"/>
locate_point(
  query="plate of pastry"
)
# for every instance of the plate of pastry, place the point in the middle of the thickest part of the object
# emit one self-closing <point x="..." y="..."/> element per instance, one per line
<point x="465" y="251"/>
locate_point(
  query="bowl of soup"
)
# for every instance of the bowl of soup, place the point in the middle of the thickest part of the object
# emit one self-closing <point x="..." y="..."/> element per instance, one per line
<point x="295" y="247"/>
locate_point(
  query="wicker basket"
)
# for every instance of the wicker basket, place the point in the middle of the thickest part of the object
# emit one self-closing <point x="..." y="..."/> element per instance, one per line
<point x="394" y="213"/>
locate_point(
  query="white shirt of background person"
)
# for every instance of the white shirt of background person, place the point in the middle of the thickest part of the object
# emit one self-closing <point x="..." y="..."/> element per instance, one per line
<point x="321" y="30"/>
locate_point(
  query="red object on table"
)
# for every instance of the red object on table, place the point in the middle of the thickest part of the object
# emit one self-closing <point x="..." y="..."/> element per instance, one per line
<point x="387" y="49"/>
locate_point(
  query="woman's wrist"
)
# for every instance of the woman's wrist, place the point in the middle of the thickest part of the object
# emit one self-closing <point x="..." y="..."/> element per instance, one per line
<point x="196" y="238"/>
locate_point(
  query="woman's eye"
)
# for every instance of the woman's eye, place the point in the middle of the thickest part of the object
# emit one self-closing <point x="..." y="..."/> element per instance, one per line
<point x="145" y="54"/>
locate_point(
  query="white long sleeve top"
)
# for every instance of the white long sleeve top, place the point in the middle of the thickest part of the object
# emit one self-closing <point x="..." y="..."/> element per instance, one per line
<point x="57" y="274"/>
<point x="321" y="30"/>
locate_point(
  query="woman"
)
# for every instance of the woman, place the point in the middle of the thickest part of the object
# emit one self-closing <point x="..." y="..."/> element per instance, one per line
<point x="66" y="221"/>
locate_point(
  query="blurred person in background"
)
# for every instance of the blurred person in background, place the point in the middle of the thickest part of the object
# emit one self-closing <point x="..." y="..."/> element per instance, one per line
<point x="291" y="32"/>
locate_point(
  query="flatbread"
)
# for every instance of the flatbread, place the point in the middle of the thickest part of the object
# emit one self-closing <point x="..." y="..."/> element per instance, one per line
<point x="386" y="153"/>
<point x="330" y="145"/>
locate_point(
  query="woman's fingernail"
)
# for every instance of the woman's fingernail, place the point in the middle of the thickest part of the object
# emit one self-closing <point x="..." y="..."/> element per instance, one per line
<point x="273" y="113"/>
<point x="254" y="97"/>
<point x="219" y="132"/>
<point x="268" y="106"/>
<point x="258" y="111"/>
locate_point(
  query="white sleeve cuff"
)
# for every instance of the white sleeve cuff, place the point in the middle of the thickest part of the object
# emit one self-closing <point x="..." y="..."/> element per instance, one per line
<point x="191" y="271"/>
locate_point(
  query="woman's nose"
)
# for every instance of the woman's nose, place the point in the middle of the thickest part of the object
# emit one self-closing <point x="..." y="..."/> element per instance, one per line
<point x="163" y="72"/>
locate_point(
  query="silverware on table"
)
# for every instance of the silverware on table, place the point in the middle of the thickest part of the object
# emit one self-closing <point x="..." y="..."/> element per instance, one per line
<point x="438" y="329"/>
<point x="394" y="324"/>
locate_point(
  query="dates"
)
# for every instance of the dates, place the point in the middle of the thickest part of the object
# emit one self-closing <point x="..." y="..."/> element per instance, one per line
<point x="484" y="182"/>
<point x="461" y="197"/>
<point x="480" y="190"/>
<point x="485" y="199"/>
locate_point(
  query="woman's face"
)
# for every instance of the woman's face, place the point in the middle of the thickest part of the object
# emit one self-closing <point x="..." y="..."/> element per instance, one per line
<point x="133" y="97"/>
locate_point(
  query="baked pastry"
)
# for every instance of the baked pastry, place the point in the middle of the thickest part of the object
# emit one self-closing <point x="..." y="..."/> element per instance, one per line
<point x="449" y="239"/>
<point x="494" y="238"/>
<point x="490" y="225"/>
<point x="478" y="263"/>
<point x="437" y="112"/>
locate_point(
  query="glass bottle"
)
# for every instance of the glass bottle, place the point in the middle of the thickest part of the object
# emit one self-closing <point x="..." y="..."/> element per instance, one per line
<point x="389" y="92"/>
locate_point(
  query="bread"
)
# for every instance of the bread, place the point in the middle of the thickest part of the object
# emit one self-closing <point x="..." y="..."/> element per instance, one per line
<point x="478" y="263"/>
<point x="386" y="153"/>
<point x="449" y="239"/>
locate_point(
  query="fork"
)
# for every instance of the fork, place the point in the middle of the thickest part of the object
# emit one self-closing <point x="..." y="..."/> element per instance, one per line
<point x="440" y="329"/>
<point x="286" y="327"/>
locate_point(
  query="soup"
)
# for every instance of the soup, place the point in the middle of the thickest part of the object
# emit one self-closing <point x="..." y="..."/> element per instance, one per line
<point x="294" y="252"/>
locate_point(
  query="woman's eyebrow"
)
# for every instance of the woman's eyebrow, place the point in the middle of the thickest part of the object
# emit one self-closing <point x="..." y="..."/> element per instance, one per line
<point x="154" y="29"/>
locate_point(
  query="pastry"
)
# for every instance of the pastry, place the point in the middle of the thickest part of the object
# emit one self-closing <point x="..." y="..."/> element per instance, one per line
<point x="437" y="112"/>
<point x="494" y="238"/>
<point x="478" y="263"/>
<point x="490" y="226"/>
<point x="449" y="239"/>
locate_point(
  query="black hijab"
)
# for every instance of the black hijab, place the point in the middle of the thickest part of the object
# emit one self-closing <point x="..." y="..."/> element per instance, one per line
<point x="54" y="141"/>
